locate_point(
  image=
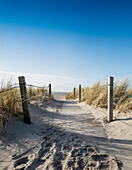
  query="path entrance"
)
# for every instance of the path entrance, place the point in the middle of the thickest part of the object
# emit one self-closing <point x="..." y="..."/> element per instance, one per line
<point x="62" y="136"/>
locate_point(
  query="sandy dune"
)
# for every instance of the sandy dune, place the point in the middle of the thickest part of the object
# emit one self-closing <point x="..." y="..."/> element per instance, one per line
<point x="63" y="135"/>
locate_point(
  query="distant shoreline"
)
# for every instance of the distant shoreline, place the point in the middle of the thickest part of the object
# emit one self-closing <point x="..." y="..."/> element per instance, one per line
<point x="59" y="93"/>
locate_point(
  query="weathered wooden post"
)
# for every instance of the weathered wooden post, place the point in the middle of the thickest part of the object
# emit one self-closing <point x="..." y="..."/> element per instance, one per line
<point x="49" y="89"/>
<point x="110" y="98"/>
<point x="79" y="93"/>
<point x="22" y="83"/>
<point x="74" y="93"/>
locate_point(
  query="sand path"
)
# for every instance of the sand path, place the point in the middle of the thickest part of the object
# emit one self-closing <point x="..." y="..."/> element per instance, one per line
<point x="63" y="135"/>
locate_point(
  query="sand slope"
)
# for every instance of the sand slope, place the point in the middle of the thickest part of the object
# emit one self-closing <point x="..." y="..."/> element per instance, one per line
<point x="63" y="135"/>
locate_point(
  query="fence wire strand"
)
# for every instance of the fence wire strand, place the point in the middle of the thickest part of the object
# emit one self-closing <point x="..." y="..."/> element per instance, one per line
<point x="11" y="87"/>
<point x="30" y="85"/>
<point x="5" y="90"/>
<point x="123" y="91"/>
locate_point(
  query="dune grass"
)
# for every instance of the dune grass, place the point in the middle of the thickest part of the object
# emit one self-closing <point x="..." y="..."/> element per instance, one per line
<point x="11" y="104"/>
<point x="97" y="95"/>
<point x="40" y="94"/>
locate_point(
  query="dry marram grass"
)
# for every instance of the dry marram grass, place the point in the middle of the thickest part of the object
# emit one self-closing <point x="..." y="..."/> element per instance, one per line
<point x="11" y="104"/>
<point x="97" y="95"/>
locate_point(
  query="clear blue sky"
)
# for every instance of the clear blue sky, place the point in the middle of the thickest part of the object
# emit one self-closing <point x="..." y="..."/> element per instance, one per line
<point x="82" y="39"/>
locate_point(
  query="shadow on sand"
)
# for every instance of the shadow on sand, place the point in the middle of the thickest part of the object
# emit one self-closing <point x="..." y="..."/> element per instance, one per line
<point x="59" y="145"/>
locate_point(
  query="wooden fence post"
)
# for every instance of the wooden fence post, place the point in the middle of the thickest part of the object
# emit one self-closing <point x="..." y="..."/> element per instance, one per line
<point x="79" y="93"/>
<point x="22" y="83"/>
<point x="74" y="93"/>
<point x="49" y="89"/>
<point x="110" y="98"/>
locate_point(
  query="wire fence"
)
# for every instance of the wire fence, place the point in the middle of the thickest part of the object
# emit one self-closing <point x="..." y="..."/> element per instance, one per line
<point x="116" y="87"/>
<point x="14" y="86"/>
<point x="10" y="102"/>
<point x="30" y="95"/>
<point x="30" y="85"/>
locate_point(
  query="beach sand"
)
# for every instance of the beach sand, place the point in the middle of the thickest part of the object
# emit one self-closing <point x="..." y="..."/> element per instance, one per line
<point x="66" y="135"/>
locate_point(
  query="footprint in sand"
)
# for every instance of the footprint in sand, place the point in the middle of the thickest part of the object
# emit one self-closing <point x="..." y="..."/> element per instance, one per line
<point x="48" y="145"/>
<point x="20" y="162"/>
<point x="99" y="157"/>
